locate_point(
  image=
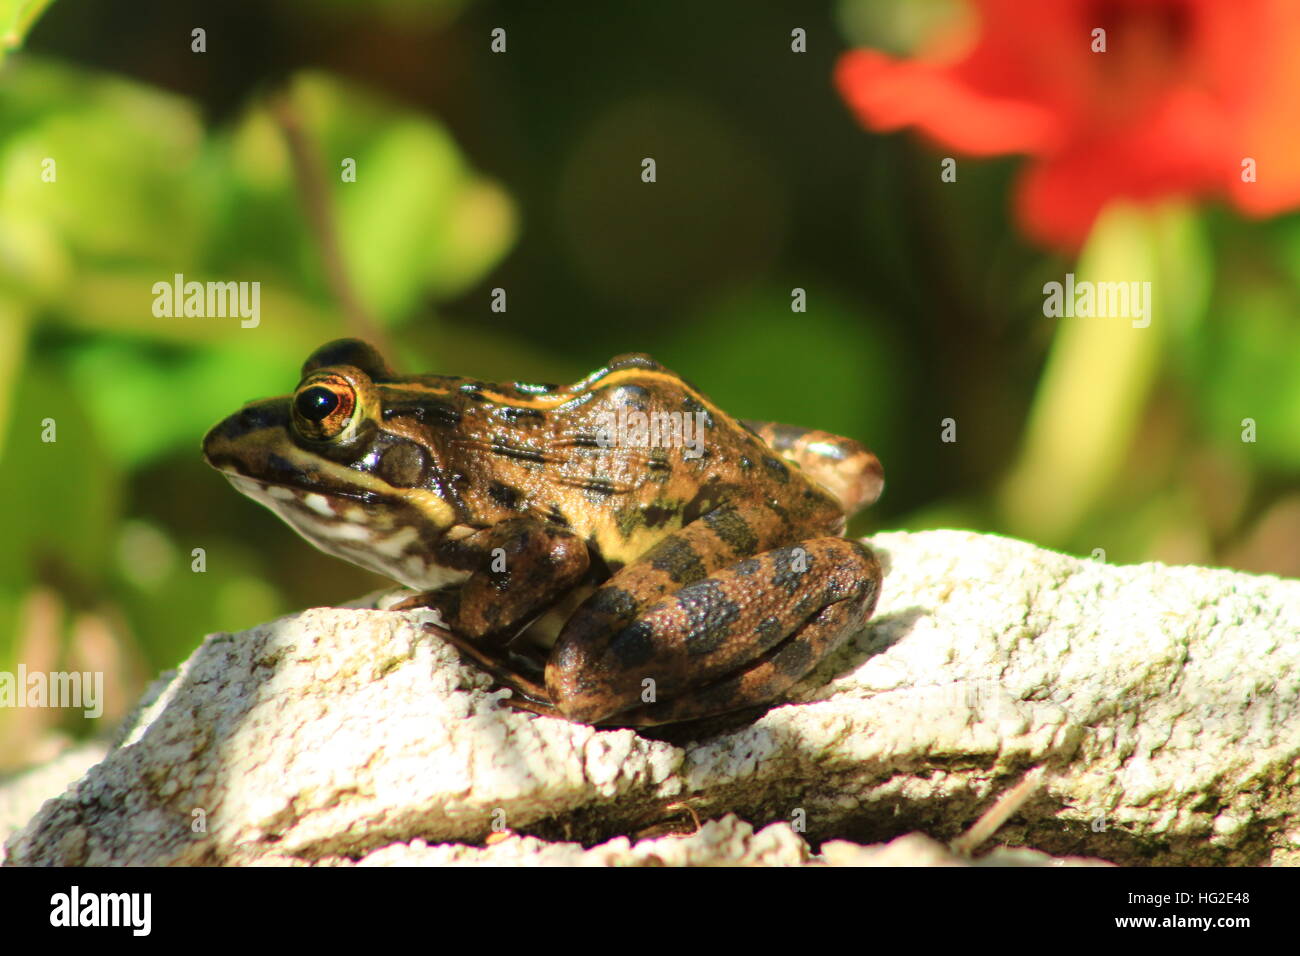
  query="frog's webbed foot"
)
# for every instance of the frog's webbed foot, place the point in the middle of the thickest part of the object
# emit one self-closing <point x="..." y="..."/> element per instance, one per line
<point x="518" y="668"/>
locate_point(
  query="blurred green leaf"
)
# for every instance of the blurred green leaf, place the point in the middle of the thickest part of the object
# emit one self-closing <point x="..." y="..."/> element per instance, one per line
<point x="829" y="368"/>
<point x="1099" y="375"/>
<point x="148" y="404"/>
<point x="17" y="17"/>
<point x="417" y="221"/>
<point x="1248" y="371"/>
<point x="102" y="164"/>
<point x="70" y="490"/>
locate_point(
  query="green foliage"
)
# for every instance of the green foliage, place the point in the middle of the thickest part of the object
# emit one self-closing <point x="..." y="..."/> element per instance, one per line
<point x="16" y="19"/>
<point x="140" y="189"/>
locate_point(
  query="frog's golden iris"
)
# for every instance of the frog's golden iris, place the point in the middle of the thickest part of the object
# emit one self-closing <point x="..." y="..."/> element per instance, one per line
<point x="323" y="407"/>
<point x="611" y="584"/>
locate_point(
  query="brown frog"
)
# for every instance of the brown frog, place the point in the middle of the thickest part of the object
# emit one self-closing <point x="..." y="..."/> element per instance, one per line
<point x="618" y="551"/>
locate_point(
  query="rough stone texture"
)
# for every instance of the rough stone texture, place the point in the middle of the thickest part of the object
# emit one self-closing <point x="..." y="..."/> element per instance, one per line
<point x="725" y="842"/>
<point x="1160" y="702"/>
<point x="22" y="794"/>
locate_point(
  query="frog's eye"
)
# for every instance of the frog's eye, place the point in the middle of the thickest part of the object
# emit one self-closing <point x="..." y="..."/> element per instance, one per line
<point x="315" y="403"/>
<point x="323" y="408"/>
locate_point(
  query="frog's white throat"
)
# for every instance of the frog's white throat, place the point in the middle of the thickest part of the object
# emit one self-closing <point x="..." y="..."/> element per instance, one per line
<point x="370" y="537"/>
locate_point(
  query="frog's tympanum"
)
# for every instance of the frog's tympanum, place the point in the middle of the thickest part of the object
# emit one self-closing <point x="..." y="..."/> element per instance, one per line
<point x="619" y="551"/>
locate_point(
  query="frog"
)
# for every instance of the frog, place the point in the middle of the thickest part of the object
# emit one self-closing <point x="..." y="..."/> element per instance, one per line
<point x="617" y="552"/>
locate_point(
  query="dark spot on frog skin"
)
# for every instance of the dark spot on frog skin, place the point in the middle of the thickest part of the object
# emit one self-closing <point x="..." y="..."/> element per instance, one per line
<point x="612" y="601"/>
<point x="691" y="407"/>
<point x="586" y="441"/>
<point x="806" y="605"/>
<point x="710" y="614"/>
<point x="402" y="465"/>
<point x="517" y="453"/>
<point x="516" y="416"/>
<point x="597" y="489"/>
<point x="426" y="411"/>
<point x="794" y="658"/>
<point x="628" y="520"/>
<point x="710" y="496"/>
<point x="778" y="509"/>
<point x="658" y="461"/>
<point x="769" y="631"/>
<point x="529" y="388"/>
<point x="556" y="516"/>
<point x="678" y="560"/>
<point x="778" y="469"/>
<point x="787" y="573"/>
<point x="747" y="568"/>
<point x="746" y="462"/>
<point x="727" y="692"/>
<point x="634" y="645"/>
<point x="839" y="589"/>
<point x="732" y="529"/>
<point x="505" y="495"/>
<point x="659" y="514"/>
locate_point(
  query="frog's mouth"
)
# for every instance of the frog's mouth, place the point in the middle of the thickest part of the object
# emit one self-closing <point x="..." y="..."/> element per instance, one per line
<point x="348" y="512"/>
<point x="392" y="541"/>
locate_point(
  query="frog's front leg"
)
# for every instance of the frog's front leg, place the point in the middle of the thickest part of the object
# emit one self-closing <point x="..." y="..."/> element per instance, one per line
<point x="518" y="568"/>
<point x="728" y="638"/>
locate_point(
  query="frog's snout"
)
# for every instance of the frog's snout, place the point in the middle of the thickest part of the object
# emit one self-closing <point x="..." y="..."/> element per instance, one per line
<point x="225" y="439"/>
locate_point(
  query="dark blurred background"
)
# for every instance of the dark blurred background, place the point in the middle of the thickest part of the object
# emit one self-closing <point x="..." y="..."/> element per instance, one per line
<point x="522" y="170"/>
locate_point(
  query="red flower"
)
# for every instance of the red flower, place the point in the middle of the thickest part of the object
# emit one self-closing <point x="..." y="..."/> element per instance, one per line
<point x="1185" y="91"/>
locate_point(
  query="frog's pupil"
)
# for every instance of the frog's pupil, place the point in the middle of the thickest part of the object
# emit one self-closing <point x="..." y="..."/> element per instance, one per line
<point x="315" y="403"/>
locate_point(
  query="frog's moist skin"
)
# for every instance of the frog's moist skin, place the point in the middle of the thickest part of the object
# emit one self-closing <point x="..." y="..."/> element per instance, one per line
<point x="606" y="579"/>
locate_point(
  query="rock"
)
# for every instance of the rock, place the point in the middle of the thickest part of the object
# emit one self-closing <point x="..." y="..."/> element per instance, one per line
<point x="1159" y="703"/>
<point x="725" y="842"/>
<point x="22" y="794"/>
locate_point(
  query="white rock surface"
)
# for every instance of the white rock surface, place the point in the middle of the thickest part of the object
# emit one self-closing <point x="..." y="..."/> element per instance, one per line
<point x="1162" y="704"/>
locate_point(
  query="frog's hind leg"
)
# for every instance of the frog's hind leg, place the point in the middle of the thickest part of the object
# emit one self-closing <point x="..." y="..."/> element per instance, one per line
<point x="738" y="637"/>
<point x="845" y="468"/>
